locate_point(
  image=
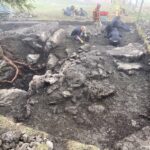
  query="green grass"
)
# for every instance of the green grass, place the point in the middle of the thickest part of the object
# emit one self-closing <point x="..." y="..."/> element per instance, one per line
<point x="54" y="11"/>
<point x="7" y="123"/>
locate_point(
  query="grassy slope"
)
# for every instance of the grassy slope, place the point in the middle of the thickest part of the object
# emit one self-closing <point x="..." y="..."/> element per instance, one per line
<point x="52" y="9"/>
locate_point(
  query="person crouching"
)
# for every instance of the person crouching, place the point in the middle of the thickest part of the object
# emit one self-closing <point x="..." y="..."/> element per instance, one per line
<point x="80" y="34"/>
<point x="114" y="37"/>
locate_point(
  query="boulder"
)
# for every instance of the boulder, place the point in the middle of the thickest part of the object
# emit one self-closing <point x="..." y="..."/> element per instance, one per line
<point x="39" y="81"/>
<point x="128" y="66"/>
<point x="36" y="83"/>
<point x="13" y="102"/>
<point x="6" y="71"/>
<point x="13" y="99"/>
<point x="33" y="58"/>
<point x="32" y="42"/>
<point x="131" y="52"/>
<point x="11" y="136"/>
<point x="52" y="61"/>
<point x="44" y="36"/>
<point x="58" y="37"/>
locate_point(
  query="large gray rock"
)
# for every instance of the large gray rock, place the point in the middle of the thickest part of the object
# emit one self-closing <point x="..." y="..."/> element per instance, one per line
<point x="13" y="101"/>
<point x="128" y="66"/>
<point x="11" y="136"/>
<point x="52" y="61"/>
<point x="6" y="71"/>
<point x="58" y="37"/>
<point x="10" y="97"/>
<point x="44" y="36"/>
<point x="130" y="52"/>
<point x="137" y="141"/>
<point x="38" y="82"/>
<point x="33" y="43"/>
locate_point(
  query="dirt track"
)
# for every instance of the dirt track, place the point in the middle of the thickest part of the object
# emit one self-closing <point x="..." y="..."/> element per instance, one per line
<point x="121" y="113"/>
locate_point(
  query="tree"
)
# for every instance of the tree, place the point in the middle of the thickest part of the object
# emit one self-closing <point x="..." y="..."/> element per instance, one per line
<point x="136" y="4"/>
<point x="141" y="6"/>
<point x="20" y="4"/>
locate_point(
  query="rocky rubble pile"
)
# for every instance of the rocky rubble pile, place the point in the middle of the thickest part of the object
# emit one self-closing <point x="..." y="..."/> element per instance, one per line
<point x="83" y="72"/>
<point x="13" y="140"/>
<point x="31" y="47"/>
<point x="81" y="94"/>
<point x="128" y="58"/>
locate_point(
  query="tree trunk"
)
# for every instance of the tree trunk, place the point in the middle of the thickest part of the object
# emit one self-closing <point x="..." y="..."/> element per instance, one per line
<point x="136" y="4"/>
<point x="141" y="6"/>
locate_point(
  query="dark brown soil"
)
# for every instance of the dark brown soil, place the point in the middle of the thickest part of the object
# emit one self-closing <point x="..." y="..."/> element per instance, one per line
<point x="130" y="102"/>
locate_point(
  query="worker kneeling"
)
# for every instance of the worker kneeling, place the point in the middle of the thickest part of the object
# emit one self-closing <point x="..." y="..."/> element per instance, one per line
<point x="114" y="37"/>
<point x="80" y="34"/>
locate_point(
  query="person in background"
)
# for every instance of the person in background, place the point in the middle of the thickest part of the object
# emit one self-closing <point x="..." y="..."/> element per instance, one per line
<point x="96" y="19"/>
<point x="77" y="12"/>
<point x="67" y="12"/>
<point x="83" y="12"/>
<point x="79" y="34"/>
<point x="117" y="23"/>
<point x="72" y="10"/>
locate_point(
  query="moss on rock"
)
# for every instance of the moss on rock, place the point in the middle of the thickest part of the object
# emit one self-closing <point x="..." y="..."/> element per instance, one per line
<point x="8" y="124"/>
<point x="42" y="147"/>
<point x="73" y="145"/>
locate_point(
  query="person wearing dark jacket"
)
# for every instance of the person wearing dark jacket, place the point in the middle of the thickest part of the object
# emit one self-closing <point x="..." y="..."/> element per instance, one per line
<point x="117" y="23"/>
<point x="114" y="37"/>
<point x="79" y="34"/>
